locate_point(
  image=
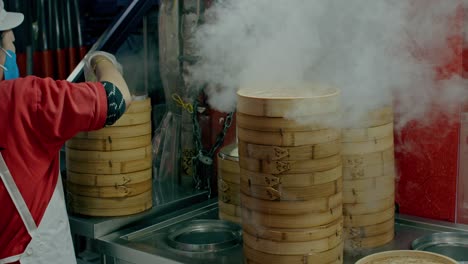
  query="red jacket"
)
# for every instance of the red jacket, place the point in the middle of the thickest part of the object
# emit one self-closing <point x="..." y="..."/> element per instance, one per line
<point x="37" y="116"/>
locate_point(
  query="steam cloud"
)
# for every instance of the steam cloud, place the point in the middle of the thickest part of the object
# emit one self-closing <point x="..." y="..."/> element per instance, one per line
<point x="373" y="51"/>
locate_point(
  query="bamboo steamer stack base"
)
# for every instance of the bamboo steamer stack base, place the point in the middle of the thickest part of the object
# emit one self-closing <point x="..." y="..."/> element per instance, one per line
<point x="109" y="171"/>
<point x="369" y="181"/>
<point x="290" y="177"/>
<point x="229" y="184"/>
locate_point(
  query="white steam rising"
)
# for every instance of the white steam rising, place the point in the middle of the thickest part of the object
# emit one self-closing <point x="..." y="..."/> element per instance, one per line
<point x="373" y="51"/>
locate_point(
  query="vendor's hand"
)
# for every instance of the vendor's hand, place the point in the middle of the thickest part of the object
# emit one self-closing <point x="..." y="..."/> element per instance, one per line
<point x="7" y="40"/>
<point x="94" y="58"/>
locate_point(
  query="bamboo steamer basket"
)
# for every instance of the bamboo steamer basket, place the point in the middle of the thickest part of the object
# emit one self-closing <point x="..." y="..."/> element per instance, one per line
<point x="229" y="183"/>
<point x="131" y="119"/>
<point x="117" y="132"/>
<point x="109" y="170"/>
<point x="334" y="255"/>
<point x="109" y="206"/>
<point x="292" y="180"/>
<point x="290" y="166"/>
<point x="368" y="242"/>
<point x="102" y="180"/>
<point x="375" y="183"/>
<point x="110" y="156"/>
<point x="353" y="197"/>
<point x="364" y="147"/>
<point x="230" y="218"/>
<point x="308" y="220"/>
<point x="230" y="209"/>
<point x="368" y="207"/>
<point x="295" y="235"/>
<point x="273" y="153"/>
<point x="369" y="159"/>
<point x="123" y="190"/>
<point x="288" y="139"/>
<point x="369" y="219"/>
<point x="369" y="231"/>
<point x="292" y="248"/>
<point x="405" y="256"/>
<point x="280" y="124"/>
<point x="376" y="117"/>
<point x="363" y="172"/>
<point x="367" y="133"/>
<point x="229" y="196"/>
<point x="305" y="193"/>
<point x="109" y="144"/>
<point x="228" y="160"/>
<point x="318" y="205"/>
<point x="106" y="167"/>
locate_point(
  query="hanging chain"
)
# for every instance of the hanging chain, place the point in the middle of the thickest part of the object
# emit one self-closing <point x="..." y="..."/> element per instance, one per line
<point x="203" y="161"/>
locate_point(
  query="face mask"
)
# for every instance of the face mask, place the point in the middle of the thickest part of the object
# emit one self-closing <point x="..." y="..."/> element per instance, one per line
<point x="10" y="68"/>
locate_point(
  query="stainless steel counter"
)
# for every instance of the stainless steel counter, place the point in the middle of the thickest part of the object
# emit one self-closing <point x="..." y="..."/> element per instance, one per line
<point x="146" y="243"/>
<point x="167" y="200"/>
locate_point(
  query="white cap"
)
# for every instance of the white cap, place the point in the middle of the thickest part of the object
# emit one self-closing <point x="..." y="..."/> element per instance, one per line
<point x="9" y="20"/>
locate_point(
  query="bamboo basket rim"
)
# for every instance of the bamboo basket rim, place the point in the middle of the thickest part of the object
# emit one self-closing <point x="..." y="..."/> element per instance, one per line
<point x="406" y="253"/>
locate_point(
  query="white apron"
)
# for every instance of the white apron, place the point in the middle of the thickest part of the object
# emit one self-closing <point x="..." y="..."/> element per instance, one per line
<point x="50" y="241"/>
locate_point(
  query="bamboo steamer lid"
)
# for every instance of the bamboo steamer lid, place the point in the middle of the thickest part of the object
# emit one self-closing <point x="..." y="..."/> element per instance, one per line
<point x="288" y="139"/>
<point x="366" y="134"/>
<point x="369" y="231"/>
<point x="110" y="156"/>
<point x="230" y="218"/>
<point x="369" y="242"/>
<point x="228" y="159"/>
<point x="124" y="190"/>
<point x="100" y="180"/>
<point x="373" y="158"/>
<point x="368" y="184"/>
<point x="353" y="197"/>
<point x="138" y="106"/>
<point x="106" y="212"/>
<point x="326" y="257"/>
<point x="109" y="203"/>
<point x="370" y="171"/>
<point x="228" y="176"/>
<point x="368" y="207"/>
<point x="229" y="209"/>
<point x="364" y="147"/>
<point x="286" y="101"/>
<point x="289" y="166"/>
<point x="295" y="235"/>
<point x="131" y="119"/>
<point x="109" y="144"/>
<point x="291" y="248"/>
<point x="280" y="124"/>
<point x="405" y="256"/>
<point x="308" y="152"/>
<point x="305" y="193"/>
<point x="106" y="167"/>
<point x="292" y="180"/>
<point x="117" y="132"/>
<point x="318" y="205"/>
<point x="369" y="219"/>
<point x="291" y="221"/>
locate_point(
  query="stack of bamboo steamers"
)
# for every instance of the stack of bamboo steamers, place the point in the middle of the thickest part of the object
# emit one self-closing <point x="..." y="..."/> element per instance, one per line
<point x="290" y="177"/>
<point x="368" y="181"/>
<point x="109" y="170"/>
